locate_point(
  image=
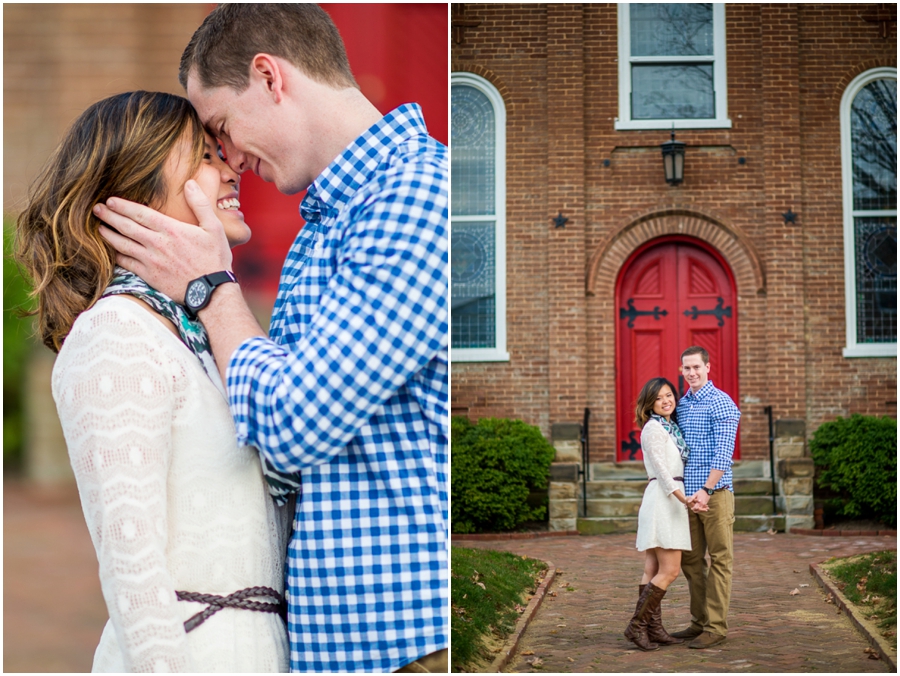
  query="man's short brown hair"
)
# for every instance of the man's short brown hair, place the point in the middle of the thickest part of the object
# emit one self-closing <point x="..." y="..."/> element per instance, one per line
<point x="220" y="51"/>
<point x="694" y="349"/>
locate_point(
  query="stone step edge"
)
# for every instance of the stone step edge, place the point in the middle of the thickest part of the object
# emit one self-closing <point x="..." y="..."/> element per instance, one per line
<point x="878" y="643"/>
<point x="462" y="537"/>
<point x="843" y="533"/>
<point x="512" y="642"/>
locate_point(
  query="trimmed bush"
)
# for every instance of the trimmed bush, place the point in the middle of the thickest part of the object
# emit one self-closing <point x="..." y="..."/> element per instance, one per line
<point x="496" y="464"/>
<point x="856" y="458"/>
<point x="18" y="342"/>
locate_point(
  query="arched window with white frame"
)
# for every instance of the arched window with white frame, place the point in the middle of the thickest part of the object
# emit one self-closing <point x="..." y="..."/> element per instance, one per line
<point x="869" y="166"/>
<point x="477" y="221"/>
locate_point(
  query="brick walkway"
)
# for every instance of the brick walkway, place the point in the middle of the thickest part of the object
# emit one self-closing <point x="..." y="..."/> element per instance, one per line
<point x="580" y="629"/>
<point x="53" y="611"/>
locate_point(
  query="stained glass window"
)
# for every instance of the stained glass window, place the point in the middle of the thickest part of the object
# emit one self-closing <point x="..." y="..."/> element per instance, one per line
<point x="873" y="128"/>
<point x="869" y="129"/>
<point x="477" y="229"/>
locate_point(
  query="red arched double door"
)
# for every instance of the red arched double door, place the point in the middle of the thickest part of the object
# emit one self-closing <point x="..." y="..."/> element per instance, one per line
<point x="671" y="294"/>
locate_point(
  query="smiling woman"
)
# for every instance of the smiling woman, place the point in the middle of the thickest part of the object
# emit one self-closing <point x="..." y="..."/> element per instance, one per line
<point x="148" y="429"/>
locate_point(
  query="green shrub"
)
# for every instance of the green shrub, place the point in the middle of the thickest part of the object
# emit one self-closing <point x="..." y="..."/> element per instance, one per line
<point x="18" y="341"/>
<point x="856" y="458"/>
<point x="496" y="464"/>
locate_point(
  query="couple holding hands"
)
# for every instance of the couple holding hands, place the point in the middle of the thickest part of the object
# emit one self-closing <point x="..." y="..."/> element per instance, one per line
<point x="688" y="505"/>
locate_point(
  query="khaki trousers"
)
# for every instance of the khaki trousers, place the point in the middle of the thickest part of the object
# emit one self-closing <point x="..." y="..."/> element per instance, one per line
<point x="433" y="663"/>
<point x="710" y="583"/>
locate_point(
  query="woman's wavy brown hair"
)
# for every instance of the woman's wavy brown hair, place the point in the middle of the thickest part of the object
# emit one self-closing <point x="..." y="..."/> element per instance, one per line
<point x="647" y="398"/>
<point x="117" y="147"/>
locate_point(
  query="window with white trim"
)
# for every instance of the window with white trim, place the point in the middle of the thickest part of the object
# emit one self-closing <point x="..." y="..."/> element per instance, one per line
<point x="869" y="165"/>
<point x="477" y="221"/>
<point x="672" y="66"/>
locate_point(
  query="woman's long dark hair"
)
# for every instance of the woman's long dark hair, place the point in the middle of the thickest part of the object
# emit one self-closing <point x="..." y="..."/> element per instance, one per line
<point x="647" y="398"/>
<point x="117" y="147"/>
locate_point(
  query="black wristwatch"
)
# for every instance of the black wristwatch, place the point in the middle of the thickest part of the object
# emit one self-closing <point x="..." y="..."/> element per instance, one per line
<point x="708" y="490"/>
<point x="199" y="291"/>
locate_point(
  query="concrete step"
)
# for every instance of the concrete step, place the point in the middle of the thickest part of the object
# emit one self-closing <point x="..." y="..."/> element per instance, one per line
<point x="759" y="523"/>
<point x="625" y="488"/>
<point x="607" y="525"/>
<point x="630" y="506"/>
<point x="753" y="486"/>
<point x="613" y="507"/>
<point x="625" y="524"/>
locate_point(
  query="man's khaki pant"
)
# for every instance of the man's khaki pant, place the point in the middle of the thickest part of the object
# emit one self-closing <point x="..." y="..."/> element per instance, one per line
<point x="710" y="583"/>
<point x="433" y="663"/>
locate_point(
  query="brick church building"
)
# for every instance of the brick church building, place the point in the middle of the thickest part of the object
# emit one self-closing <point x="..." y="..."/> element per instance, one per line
<point x="580" y="268"/>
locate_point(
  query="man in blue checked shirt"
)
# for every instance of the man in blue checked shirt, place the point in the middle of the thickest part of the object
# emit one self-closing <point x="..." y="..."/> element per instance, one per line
<point x="349" y="390"/>
<point x="708" y="418"/>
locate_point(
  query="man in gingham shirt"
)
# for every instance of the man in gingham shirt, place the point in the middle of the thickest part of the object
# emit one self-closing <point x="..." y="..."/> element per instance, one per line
<point x="350" y="388"/>
<point x="708" y="418"/>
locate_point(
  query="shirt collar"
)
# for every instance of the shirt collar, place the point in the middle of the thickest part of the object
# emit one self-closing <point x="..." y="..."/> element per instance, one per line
<point x="341" y="179"/>
<point x="702" y="392"/>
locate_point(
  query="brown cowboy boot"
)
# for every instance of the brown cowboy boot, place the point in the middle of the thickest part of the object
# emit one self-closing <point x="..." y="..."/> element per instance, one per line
<point x="636" y="631"/>
<point x="655" y="630"/>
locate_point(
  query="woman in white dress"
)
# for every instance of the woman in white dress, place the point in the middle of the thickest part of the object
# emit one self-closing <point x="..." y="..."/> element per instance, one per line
<point x="663" y="527"/>
<point x="179" y="515"/>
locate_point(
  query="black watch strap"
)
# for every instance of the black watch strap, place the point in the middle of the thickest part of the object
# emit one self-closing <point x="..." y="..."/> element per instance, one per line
<point x="217" y="278"/>
<point x="710" y="491"/>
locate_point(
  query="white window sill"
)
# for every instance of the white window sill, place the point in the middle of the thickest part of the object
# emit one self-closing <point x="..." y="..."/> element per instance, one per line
<point x="872" y="350"/>
<point x="481" y="354"/>
<point x="666" y="125"/>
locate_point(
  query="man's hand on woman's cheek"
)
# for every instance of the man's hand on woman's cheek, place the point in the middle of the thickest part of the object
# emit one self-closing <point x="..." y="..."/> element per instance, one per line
<point x="165" y="252"/>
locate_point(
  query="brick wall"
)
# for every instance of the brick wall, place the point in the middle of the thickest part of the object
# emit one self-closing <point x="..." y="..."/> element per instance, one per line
<point x="59" y="58"/>
<point x="556" y="67"/>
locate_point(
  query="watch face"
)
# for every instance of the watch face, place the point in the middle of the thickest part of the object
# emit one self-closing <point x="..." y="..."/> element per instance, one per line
<point x="196" y="294"/>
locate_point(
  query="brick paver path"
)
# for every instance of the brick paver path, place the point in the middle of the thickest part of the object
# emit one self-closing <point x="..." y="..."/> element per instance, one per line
<point x="53" y="611"/>
<point x="580" y="629"/>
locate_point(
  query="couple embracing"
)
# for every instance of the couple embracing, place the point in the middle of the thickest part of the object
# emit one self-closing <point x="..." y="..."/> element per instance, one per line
<point x="257" y="503"/>
<point x="688" y="505"/>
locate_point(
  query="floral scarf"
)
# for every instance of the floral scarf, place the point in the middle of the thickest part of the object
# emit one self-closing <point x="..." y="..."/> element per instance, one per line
<point x="675" y="432"/>
<point x="193" y="335"/>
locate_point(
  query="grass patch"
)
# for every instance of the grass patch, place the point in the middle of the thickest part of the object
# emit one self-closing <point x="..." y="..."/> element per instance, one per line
<point x="488" y="591"/>
<point x="869" y="581"/>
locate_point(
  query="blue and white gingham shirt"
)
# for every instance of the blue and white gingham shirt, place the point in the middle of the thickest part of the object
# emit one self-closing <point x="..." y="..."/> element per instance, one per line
<point x="351" y="389"/>
<point x="708" y="420"/>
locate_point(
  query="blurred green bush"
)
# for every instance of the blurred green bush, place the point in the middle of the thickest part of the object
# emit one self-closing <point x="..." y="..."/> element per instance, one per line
<point x="496" y="464"/>
<point x="18" y="341"/>
<point x="856" y="459"/>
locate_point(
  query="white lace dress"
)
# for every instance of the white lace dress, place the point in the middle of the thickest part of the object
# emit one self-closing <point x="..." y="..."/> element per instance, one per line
<point x="663" y="519"/>
<point x="171" y="502"/>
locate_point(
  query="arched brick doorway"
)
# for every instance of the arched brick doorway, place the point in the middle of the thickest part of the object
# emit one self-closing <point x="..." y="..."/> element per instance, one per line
<point x="671" y="293"/>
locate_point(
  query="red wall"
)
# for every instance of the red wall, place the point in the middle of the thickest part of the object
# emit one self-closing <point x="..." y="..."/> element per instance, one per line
<point x="398" y="54"/>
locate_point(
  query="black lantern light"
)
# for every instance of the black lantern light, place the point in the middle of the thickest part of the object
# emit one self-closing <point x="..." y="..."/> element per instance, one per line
<point x="673" y="160"/>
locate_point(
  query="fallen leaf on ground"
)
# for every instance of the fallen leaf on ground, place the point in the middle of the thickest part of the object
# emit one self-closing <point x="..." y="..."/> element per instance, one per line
<point x="803" y="585"/>
<point x="536" y="662"/>
<point x="771" y="531"/>
<point x="829" y="598"/>
<point x="560" y="625"/>
<point x="528" y="652"/>
<point x="796" y="571"/>
<point x="570" y="659"/>
<point x="795" y="592"/>
<point x="481" y="584"/>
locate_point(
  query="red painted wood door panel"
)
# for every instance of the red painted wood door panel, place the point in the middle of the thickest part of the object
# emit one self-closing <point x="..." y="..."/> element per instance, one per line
<point x="671" y="295"/>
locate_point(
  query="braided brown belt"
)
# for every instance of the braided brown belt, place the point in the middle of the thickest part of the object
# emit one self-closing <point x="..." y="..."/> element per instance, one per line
<point x="236" y="600"/>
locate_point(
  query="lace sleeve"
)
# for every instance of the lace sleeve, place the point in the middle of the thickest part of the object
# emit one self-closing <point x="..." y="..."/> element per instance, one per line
<point x="115" y="395"/>
<point x="654" y="440"/>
